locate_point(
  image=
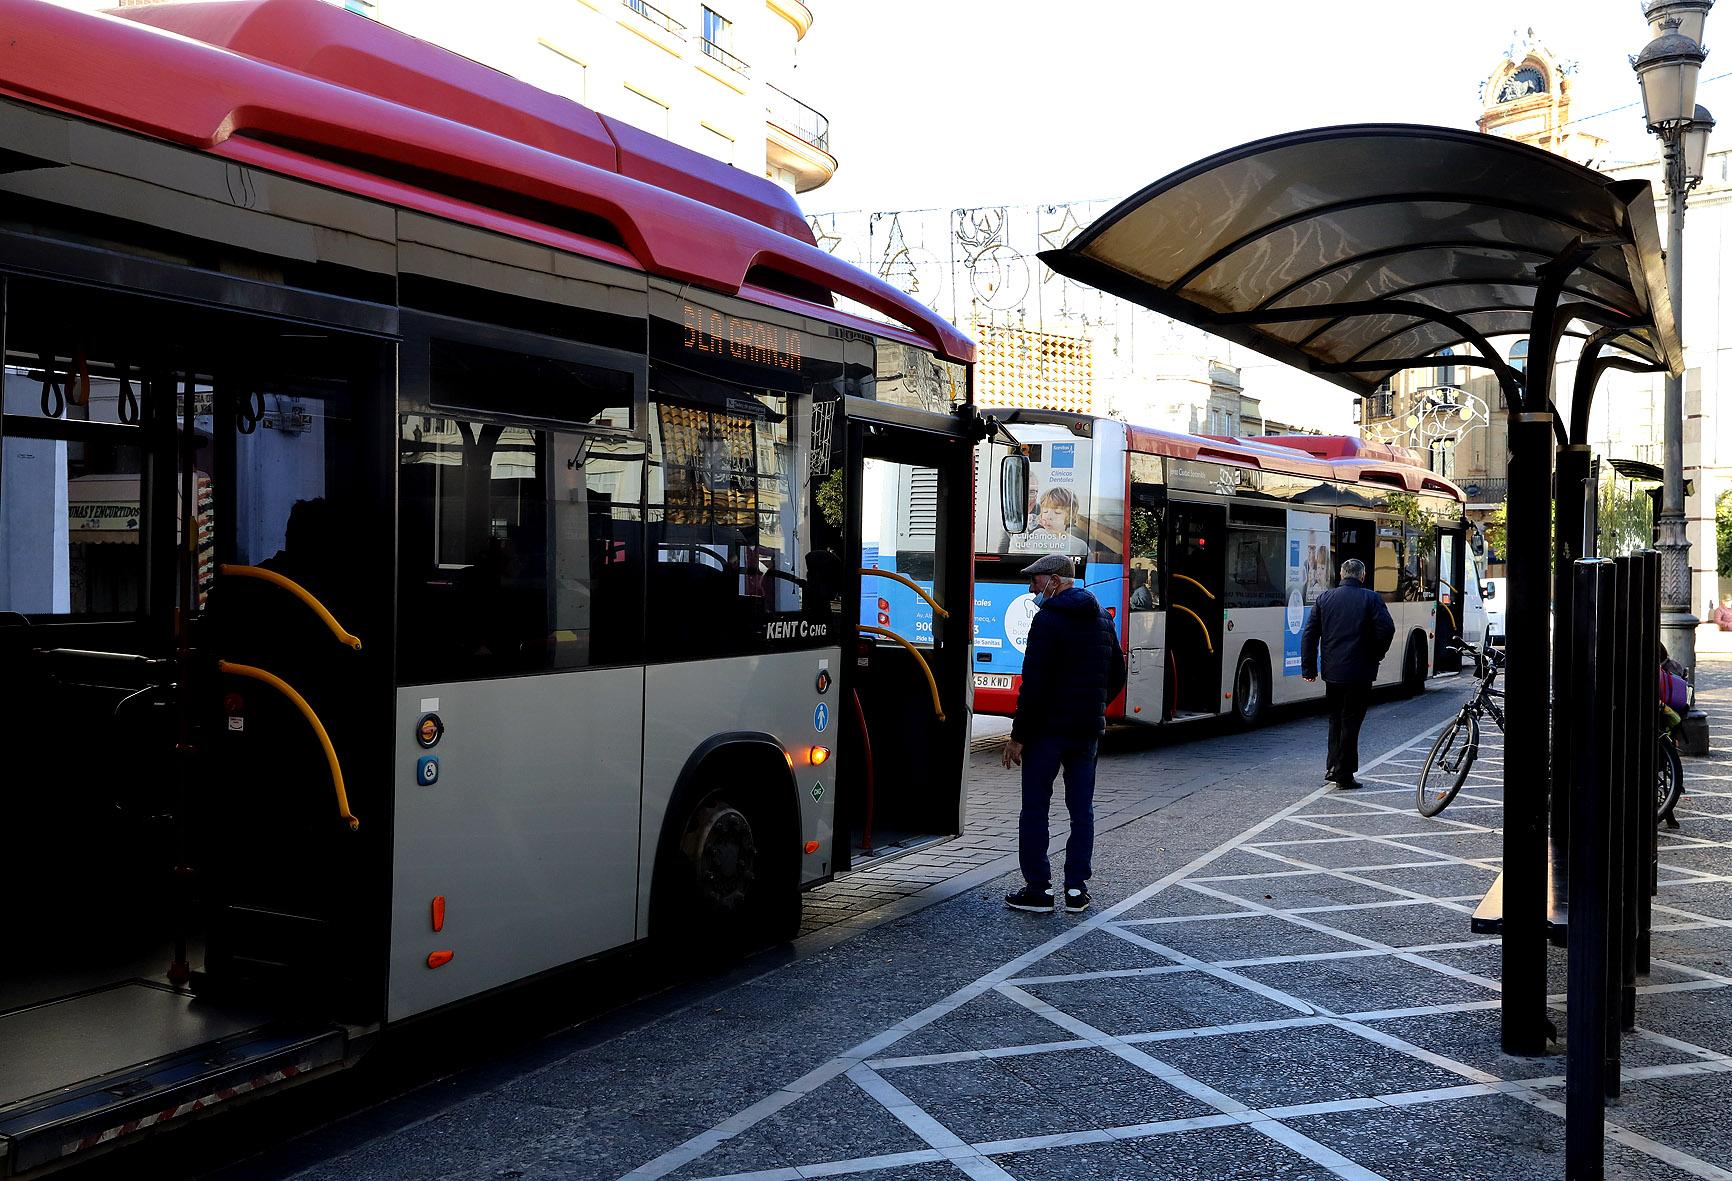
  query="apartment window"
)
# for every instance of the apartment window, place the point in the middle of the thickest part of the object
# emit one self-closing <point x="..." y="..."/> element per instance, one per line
<point x="1381" y="404"/>
<point x="1443" y="458"/>
<point x="1444" y="374"/>
<point x="645" y="112"/>
<point x="718" y="29"/>
<point x="719" y="144"/>
<point x="1518" y="356"/>
<point x="363" y="7"/>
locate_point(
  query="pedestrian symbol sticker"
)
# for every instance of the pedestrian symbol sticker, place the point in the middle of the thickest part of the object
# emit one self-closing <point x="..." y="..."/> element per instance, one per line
<point x="821" y="718"/>
<point x="817" y="791"/>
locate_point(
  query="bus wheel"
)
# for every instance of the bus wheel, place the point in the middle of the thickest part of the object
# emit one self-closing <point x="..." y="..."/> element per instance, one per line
<point x="1251" y="690"/>
<point x="1413" y="666"/>
<point x="717" y="891"/>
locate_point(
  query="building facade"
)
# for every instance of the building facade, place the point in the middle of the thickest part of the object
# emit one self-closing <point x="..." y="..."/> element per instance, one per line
<point x="717" y="77"/>
<point x="1048" y="343"/>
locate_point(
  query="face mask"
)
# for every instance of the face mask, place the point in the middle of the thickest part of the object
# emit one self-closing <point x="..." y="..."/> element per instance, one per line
<point x="1040" y="598"/>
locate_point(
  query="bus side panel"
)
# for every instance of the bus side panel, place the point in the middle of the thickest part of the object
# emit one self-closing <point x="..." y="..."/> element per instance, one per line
<point x="775" y="694"/>
<point x="1269" y="627"/>
<point x="523" y="818"/>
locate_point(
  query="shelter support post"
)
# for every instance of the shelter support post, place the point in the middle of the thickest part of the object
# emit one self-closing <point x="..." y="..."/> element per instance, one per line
<point x="1573" y="541"/>
<point x="1526" y="775"/>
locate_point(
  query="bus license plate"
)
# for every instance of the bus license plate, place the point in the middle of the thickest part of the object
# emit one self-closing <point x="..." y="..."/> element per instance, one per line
<point x="992" y="680"/>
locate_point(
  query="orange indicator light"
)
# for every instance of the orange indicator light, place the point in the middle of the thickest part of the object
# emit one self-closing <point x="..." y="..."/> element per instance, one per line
<point x="439" y="913"/>
<point x="438" y="959"/>
<point x="811" y="846"/>
<point x="819" y="755"/>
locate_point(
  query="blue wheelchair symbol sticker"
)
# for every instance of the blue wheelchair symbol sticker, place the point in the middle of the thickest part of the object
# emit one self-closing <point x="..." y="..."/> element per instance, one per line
<point x="821" y="718"/>
<point x="427" y="770"/>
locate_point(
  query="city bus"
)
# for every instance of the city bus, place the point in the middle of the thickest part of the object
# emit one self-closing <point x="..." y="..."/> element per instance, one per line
<point x="433" y="522"/>
<point x="1210" y="552"/>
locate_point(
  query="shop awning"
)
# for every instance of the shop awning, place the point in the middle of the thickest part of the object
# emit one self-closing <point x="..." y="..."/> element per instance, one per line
<point x="1311" y="247"/>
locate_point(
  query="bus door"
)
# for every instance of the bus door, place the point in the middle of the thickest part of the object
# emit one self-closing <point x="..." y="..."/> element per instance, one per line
<point x="1451" y="597"/>
<point x="1196" y="579"/>
<point x="905" y="693"/>
<point x="1146" y="621"/>
<point x="183" y="505"/>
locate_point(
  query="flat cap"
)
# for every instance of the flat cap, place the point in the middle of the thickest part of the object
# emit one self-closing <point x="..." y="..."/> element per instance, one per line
<point x="1051" y="564"/>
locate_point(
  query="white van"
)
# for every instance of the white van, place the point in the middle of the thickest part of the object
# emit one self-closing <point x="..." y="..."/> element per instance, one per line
<point x="1492" y="590"/>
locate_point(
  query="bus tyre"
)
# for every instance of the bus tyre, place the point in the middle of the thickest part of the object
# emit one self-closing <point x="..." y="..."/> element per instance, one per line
<point x="1413" y="666"/>
<point x="718" y="892"/>
<point x="1251" y="689"/>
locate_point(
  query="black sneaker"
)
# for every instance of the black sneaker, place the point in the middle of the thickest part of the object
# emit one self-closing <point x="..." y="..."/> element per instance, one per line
<point x="1031" y="898"/>
<point x="1076" y="898"/>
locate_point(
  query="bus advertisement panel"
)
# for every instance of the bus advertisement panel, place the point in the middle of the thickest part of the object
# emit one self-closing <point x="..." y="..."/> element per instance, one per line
<point x="1059" y="520"/>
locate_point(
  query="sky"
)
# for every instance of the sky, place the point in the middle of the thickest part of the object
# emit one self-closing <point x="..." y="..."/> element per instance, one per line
<point x="955" y="103"/>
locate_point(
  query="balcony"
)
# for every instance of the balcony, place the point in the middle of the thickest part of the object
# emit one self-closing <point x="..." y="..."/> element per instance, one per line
<point x="656" y="17"/>
<point x="798" y="139"/>
<point x="717" y="54"/>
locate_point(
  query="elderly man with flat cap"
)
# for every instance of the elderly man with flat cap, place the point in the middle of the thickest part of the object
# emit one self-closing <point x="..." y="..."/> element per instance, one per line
<point x="1072" y="667"/>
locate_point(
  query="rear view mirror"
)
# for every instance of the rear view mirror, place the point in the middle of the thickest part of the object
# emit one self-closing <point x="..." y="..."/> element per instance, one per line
<point x="1013" y="493"/>
<point x="1487" y="591"/>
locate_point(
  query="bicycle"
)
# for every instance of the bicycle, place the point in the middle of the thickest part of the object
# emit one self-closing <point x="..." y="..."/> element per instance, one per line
<point x="1453" y="754"/>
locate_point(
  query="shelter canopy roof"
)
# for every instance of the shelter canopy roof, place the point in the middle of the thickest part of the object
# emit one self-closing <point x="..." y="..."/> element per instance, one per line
<point x="1456" y="228"/>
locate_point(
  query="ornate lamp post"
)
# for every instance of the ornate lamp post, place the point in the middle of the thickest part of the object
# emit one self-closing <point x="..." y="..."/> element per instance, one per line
<point x="1667" y="70"/>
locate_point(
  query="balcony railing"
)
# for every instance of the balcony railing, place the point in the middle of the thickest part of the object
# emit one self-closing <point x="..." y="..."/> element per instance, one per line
<point x="795" y="117"/>
<point x="655" y="16"/>
<point x="712" y="50"/>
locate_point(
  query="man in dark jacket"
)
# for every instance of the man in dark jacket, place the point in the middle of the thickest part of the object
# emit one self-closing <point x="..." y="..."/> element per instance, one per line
<point x="1353" y="627"/>
<point x="1072" y="667"/>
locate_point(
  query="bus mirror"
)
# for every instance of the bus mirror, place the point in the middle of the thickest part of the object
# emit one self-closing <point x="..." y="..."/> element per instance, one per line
<point x="1013" y="493"/>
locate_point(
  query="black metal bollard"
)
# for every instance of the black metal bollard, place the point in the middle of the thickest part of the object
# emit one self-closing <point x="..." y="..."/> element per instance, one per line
<point x="1638" y="736"/>
<point x="1617" y="675"/>
<point x="1590" y="702"/>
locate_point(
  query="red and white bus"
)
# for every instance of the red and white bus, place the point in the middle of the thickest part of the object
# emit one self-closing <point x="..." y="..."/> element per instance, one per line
<point x="431" y="538"/>
<point x="1210" y="551"/>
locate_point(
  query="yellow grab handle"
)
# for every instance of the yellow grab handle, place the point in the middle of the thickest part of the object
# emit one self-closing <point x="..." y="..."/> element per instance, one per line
<point x="1181" y="607"/>
<point x="1198" y="585"/>
<point x="1452" y="622"/>
<point x="911" y="585"/>
<point x="300" y="592"/>
<point x="288" y="690"/>
<point x="931" y="681"/>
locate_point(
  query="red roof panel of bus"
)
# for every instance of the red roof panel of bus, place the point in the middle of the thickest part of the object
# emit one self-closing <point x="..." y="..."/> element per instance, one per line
<point x="1343" y="447"/>
<point x="1379" y="465"/>
<point x="302" y="88"/>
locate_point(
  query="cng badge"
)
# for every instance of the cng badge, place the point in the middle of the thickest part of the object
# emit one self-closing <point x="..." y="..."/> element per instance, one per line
<point x="821" y="718"/>
<point x="817" y="791"/>
<point x="427" y="770"/>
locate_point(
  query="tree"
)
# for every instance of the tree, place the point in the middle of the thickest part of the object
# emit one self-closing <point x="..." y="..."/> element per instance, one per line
<point x="1626" y="523"/>
<point x="1723" y="530"/>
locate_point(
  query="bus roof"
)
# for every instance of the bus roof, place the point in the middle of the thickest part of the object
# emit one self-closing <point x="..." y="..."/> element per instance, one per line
<point x="1324" y="457"/>
<point x="303" y="88"/>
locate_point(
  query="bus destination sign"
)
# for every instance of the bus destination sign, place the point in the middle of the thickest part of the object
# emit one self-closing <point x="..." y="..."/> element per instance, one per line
<point x="709" y="333"/>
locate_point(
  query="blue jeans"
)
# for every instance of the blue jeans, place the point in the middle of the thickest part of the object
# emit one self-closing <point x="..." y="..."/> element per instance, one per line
<point x="1041" y="759"/>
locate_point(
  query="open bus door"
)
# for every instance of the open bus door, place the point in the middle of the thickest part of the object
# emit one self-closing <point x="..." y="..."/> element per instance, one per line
<point x="905" y="687"/>
<point x="184" y="887"/>
<point x="1196" y="581"/>
<point x="1453" y="575"/>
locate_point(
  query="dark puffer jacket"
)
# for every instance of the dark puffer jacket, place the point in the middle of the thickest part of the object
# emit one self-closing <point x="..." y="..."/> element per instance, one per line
<point x="1071" y="669"/>
<point x="1353" y="627"/>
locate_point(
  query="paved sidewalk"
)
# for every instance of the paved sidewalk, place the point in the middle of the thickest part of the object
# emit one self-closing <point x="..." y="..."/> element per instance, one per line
<point x="987" y="847"/>
<point x="1304" y="1001"/>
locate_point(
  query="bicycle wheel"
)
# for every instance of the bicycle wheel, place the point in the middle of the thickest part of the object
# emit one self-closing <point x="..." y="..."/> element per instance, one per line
<point x="1669" y="778"/>
<point x="1447" y="765"/>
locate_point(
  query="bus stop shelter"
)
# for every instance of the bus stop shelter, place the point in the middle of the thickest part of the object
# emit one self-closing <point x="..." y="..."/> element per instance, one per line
<point x="1356" y="252"/>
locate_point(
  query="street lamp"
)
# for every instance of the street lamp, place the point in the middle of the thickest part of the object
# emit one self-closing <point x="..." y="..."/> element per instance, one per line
<point x="1667" y="70"/>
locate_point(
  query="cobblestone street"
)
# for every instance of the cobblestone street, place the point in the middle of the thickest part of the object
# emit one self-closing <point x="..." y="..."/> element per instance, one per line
<point x="1278" y="982"/>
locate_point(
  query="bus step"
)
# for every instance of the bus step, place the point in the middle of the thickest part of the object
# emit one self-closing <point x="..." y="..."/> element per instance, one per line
<point x="143" y="1057"/>
<point x="257" y="952"/>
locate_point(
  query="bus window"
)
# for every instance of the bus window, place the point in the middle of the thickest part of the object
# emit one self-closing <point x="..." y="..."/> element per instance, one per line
<point x="519" y="549"/>
<point x="1386" y="571"/>
<point x="729" y="514"/>
<point x="1256" y="558"/>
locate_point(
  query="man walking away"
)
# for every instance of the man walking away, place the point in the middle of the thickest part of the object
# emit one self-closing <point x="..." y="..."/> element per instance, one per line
<point x="1353" y="627"/>
<point x="1070" y="670"/>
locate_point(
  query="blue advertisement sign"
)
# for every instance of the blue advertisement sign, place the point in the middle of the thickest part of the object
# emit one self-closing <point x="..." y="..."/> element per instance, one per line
<point x="1004" y="611"/>
<point x="888" y="604"/>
